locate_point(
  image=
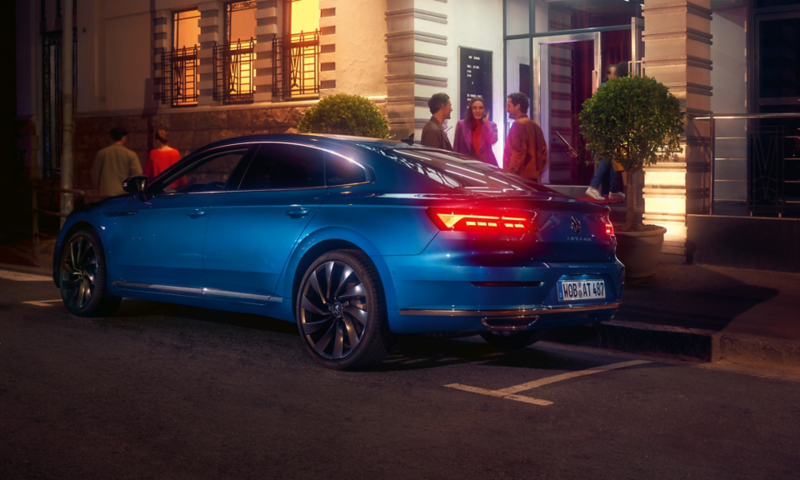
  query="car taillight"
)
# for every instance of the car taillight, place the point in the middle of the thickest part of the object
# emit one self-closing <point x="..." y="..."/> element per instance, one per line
<point x="467" y="220"/>
<point x="609" y="226"/>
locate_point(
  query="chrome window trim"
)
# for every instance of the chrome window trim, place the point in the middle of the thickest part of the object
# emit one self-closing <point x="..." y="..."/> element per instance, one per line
<point x="521" y="312"/>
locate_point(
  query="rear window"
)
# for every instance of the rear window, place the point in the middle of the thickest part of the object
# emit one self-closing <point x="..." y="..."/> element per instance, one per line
<point x="459" y="172"/>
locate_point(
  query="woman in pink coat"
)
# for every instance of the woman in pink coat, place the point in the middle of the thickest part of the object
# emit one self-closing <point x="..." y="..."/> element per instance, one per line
<point x="475" y="135"/>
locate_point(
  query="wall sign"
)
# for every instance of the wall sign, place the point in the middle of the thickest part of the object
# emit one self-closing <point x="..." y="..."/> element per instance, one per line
<point x="476" y="78"/>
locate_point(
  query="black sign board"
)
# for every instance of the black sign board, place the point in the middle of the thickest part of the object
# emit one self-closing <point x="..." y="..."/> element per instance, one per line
<point x="476" y="78"/>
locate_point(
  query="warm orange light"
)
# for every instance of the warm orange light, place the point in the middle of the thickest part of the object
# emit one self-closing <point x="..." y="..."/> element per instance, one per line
<point x="305" y="16"/>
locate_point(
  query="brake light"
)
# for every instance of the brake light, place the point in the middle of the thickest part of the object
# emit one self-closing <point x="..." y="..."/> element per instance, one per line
<point x="609" y="226"/>
<point x="467" y="220"/>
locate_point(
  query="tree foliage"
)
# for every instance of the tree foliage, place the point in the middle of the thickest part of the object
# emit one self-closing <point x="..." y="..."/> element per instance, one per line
<point x="344" y="114"/>
<point x="634" y="121"/>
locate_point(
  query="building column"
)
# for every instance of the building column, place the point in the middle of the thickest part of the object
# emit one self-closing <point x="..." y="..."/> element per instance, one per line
<point x="161" y="44"/>
<point x="268" y="16"/>
<point x="211" y="34"/>
<point x="677" y="36"/>
<point x="416" y="61"/>
<point x="327" y="47"/>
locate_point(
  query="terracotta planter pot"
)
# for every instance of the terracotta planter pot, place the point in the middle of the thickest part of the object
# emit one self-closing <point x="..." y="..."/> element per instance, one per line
<point x="639" y="251"/>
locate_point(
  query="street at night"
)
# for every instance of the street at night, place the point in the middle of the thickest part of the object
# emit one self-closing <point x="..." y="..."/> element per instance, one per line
<point x="165" y="391"/>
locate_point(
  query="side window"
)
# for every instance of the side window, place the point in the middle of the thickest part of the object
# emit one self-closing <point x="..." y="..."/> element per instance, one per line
<point x="209" y="174"/>
<point x="342" y="171"/>
<point x="280" y="166"/>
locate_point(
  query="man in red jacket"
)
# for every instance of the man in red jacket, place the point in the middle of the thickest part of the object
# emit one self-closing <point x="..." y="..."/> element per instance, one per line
<point x="525" y="152"/>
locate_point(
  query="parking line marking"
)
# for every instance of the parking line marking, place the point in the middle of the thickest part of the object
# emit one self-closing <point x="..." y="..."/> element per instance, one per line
<point x="42" y="303"/>
<point x="567" y="376"/>
<point x="23" y="277"/>
<point x="510" y="393"/>
<point x="500" y="394"/>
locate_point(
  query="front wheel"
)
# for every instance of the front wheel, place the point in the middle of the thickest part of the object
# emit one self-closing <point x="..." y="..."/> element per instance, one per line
<point x="512" y="340"/>
<point x="341" y="311"/>
<point x="82" y="276"/>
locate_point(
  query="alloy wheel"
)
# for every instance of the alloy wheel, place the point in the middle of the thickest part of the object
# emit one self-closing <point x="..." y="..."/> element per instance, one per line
<point x="78" y="272"/>
<point x="333" y="310"/>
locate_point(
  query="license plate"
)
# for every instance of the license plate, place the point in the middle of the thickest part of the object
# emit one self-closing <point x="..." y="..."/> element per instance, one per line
<point x="581" y="290"/>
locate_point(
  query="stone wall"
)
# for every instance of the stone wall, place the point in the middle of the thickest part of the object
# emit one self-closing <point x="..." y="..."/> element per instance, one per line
<point x="187" y="132"/>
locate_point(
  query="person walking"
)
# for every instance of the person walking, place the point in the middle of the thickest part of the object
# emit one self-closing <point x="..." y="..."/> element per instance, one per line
<point x="113" y="164"/>
<point x="433" y="134"/>
<point x="475" y="134"/>
<point x="162" y="157"/>
<point x="525" y="152"/>
<point x="603" y="168"/>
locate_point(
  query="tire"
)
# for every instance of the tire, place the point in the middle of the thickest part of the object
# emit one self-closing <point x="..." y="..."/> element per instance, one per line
<point x="82" y="276"/>
<point x="513" y="340"/>
<point x="341" y="311"/>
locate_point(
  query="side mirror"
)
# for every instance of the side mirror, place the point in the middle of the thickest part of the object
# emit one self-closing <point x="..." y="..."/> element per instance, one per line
<point x="135" y="185"/>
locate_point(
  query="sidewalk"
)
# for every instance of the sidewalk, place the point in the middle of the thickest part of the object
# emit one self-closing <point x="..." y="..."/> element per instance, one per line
<point x="699" y="312"/>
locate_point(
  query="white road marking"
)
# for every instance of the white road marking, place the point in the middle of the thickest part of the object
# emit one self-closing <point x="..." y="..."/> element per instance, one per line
<point x="42" y="303"/>
<point x="23" y="277"/>
<point x="510" y="393"/>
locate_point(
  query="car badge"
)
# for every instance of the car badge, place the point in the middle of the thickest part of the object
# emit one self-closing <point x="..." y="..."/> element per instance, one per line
<point x="575" y="224"/>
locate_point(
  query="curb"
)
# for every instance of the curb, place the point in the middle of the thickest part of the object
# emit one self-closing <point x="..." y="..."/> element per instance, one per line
<point x="689" y="343"/>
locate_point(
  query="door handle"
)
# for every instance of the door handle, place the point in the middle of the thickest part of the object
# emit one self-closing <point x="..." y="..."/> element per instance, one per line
<point x="195" y="213"/>
<point x="298" y="212"/>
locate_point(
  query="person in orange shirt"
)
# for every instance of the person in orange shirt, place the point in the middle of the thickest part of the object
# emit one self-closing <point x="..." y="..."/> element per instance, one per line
<point x="161" y="158"/>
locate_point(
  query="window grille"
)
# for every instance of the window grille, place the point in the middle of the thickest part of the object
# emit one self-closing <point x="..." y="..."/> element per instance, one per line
<point x="234" y="72"/>
<point x="296" y="68"/>
<point x="179" y="87"/>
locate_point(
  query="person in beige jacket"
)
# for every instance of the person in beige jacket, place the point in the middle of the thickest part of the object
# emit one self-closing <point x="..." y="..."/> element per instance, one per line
<point x="525" y="152"/>
<point x="113" y="164"/>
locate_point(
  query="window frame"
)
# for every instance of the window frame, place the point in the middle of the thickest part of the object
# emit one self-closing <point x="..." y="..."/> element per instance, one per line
<point x="188" y="163"/>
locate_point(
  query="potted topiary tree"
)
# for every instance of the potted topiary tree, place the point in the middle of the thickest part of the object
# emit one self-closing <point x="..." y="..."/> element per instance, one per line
<point x="637" y="122"/>
<point x="344" y="114"/>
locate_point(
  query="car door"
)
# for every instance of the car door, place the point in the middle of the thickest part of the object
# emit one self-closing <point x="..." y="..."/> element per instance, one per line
<point x="158" y="241"/>
<point x="253" y="230"/>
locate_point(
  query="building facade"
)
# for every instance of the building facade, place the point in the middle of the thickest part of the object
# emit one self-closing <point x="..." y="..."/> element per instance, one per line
<point x="211" y="69"/>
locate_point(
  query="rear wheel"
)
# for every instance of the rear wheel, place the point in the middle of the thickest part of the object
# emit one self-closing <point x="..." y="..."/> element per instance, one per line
<point x="82" y="276"/>
<point x="341" y="311"/>
<point x="511" y="340"/>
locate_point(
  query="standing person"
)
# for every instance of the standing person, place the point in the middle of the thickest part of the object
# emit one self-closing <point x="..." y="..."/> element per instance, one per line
<point x="475" y="135"/>
<point x="525" y="152"/>
<point x="602" y="167"/>
<point x="162" y="157"/>
<point x="113" y="164"/>
<point x="433" y="134"/>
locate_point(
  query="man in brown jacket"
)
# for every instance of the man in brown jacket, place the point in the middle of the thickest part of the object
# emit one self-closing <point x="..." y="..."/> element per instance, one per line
<point x="433" y="134"/>
<point x="525" y="152"/>
<point x="113" y="164"/>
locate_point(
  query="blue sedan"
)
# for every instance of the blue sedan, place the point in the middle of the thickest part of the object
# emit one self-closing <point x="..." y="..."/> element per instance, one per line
<point x="355" y="239"/>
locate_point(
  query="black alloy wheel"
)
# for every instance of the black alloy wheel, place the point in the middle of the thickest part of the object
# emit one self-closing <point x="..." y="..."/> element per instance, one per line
<point x="341" y="311"/>
<point x="82" y="276"/>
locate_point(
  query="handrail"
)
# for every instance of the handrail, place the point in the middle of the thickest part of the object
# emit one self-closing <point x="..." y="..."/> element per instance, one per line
<point x="35" y="210"/>
<point x="712" y="117"/>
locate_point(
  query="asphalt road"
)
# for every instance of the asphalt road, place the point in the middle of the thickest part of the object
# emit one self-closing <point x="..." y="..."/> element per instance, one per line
<point x="162" y="391"/>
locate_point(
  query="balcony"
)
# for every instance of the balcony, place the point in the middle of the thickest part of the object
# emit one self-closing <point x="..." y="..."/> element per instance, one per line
<point x="179" y="87"/>
<point x="296" y="69"/>
<point x="234" y="72"/>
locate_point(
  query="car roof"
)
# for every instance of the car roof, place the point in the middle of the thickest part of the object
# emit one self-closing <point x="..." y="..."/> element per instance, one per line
<point x="311" y="139"/>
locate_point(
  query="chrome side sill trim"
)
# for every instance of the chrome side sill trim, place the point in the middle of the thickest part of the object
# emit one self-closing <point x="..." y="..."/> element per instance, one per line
<point x="199" y="292"/>
<point x="520" y="313"/>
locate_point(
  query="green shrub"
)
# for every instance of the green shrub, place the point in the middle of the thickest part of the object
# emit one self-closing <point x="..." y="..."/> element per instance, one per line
<point x="344" y="114"/>
<point x="635" y="121"/>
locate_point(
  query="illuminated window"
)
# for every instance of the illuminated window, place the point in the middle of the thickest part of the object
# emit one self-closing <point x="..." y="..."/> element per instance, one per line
<point x="234" y="69"/>
<point x="296" y="72"/>
<point x="179" y="86"/>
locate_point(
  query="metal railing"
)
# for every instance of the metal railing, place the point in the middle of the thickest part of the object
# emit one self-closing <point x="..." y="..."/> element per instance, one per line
<point x="772" y="157"/>
<point x="234" y="72"/>
<point x="296" y="67"/>
<point x="36" y="211"/>
<point x="179" y="85"/>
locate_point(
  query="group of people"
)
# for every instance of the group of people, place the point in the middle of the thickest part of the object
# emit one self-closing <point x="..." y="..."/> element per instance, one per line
<point x="525" y="152"/>
<point x="113" y="164"/>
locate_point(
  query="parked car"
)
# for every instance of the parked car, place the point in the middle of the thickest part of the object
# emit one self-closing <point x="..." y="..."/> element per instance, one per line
<point x="357" y="240"/>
